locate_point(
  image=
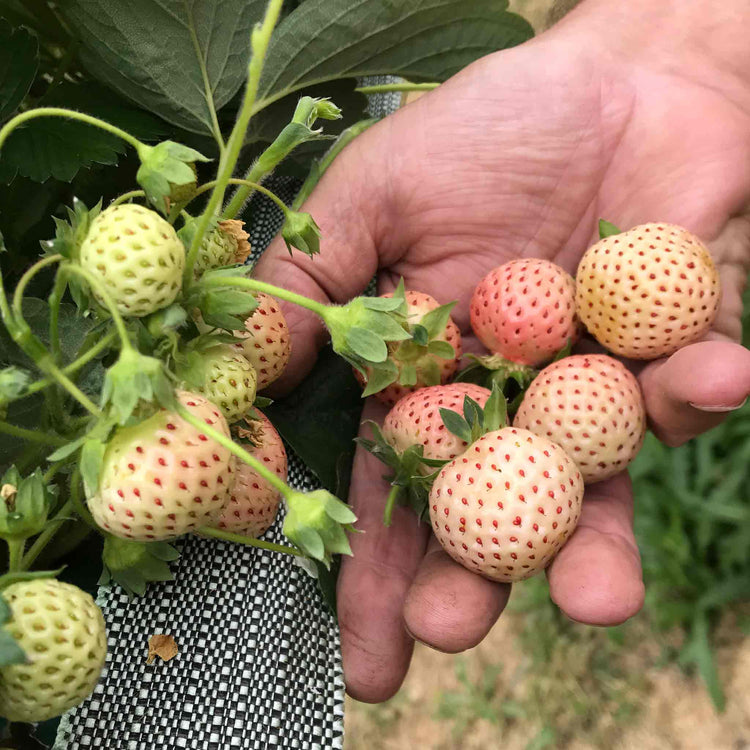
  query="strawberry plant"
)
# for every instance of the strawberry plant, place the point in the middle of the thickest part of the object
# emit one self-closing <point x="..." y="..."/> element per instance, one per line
<point x="136" y="343"/>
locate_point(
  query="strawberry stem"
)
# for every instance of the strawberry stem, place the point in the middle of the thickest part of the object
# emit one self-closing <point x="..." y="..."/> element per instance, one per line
<point x="387" y="88"/>
<point x="15" y="554"/>
<point x="31" y="436"/>
<point x="248" y="183"/>
<point x="259" y="41"/>
<point x="390" y="504"/>
<point x="43" y="539"/>
<point x="127" y="197"/>
<point x="28" y="275"/>
<point x="32" y="114"/>
<point x="261" y="286"/>
<point x="236" y="450"/>
<point x="248" y="541"/>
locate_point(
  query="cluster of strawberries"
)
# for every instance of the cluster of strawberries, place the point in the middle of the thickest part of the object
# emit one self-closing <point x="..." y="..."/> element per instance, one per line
<point x="502" y="500"/>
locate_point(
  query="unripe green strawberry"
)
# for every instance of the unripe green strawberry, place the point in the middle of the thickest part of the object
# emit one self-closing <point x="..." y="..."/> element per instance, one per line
<point x="163" y="477"/>
<point x="138" y="257"/>
<point x="224" y="377"/>
<point x="647" y="292"/>
<point x="253" y="502"/>
<point x="524" y="310"/>
<point x="225" y="245"/>
<point x="506" y="505"/>
<point x="592" y="406"/>
<point x="265" y="340"/>
<point x="61" y="630"/>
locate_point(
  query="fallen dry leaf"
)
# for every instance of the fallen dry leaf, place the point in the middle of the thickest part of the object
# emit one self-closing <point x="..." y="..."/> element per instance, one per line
<point x="163" y="646"/>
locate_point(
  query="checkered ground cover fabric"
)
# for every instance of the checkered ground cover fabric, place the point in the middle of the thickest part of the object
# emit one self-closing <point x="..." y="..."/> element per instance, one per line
<point x="259" y="663"/>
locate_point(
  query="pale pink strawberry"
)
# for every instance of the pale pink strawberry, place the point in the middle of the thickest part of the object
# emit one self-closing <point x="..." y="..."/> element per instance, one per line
<point x="505" y="507"/>
<point x="265" y="340"/>
<point x="592" y="406"/>
<point x="416" y="420"/>
<point x="430" y="369"/>
<point x="253" y="502"/>
<point x="162" y="478"/>
<point x="524" y="310"/>
<point x="647" y="292"/>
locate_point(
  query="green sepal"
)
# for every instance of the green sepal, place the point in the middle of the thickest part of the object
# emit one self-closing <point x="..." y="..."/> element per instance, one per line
<point x="69" y="235"/>
<point x="164" y="166"/>
<point x="300" y="231"/>
<point x="607" y="229"/>
<point x="384" y="304"/>
<point x="477" y="421"/>
<point x="165" y="321"/>
<point x="66" y="450"/>
<point x="135" y="564"/>
<point x="380" y="377"/>
<point x="92" y="456"/>
<point x="408" y="375"/>
<point x="436" y="320"/>
<point x="441" y="349"/>
<point x="318" y="523"/>
<point x="366" y="344"/>
<point x="227" y="308"/>
<point x="13" y="382"/>
<point x="420" y="335"/>
<point x="429" y="371"/>
<point x="25" y="503"/>
<point x="493" y="370"/>
<point x="10" y="651"/>
<point x="408" y="472"/>
<point x="564" y="352"/>
<point x="132" y="379"/>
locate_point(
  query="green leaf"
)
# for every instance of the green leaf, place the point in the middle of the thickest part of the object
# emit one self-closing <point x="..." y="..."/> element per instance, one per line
<point x="166" y="54"/>
<point x="366" y="344"/>
<point x="417" y="39"/>
<point x="55" y="147"/>
<point x="18" y="66"/>
<point x="607" y="229"/>
<point x="456" y="424"/>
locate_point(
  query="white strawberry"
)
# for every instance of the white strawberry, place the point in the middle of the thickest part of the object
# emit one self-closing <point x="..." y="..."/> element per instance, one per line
<point x="506" y="505"/>
<point x="592" y="406"/>
<point x="163" y="477"/>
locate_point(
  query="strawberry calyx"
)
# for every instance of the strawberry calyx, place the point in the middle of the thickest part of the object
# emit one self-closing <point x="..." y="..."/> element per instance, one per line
<point x="475" y="420"/>
<point x="318" y="523"/>
<point x="134" y="564"/>
<point x="24" y="504"/>
<point x="409" y="485"/>
<point x="301" y="232"/>
<point x="490" y="370"/>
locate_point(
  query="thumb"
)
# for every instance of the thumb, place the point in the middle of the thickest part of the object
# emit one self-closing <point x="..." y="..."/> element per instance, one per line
<point x="694" y="389"/>
<point x="347" y="206"/>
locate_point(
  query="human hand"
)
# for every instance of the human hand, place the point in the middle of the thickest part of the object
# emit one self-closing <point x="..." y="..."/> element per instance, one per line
<point x="520" y="155"/>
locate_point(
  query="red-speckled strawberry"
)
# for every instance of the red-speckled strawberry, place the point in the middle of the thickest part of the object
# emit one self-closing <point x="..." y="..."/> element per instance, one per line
<point x="524" y="310"/>
<point x="592" y="406"/>
<point x="647" y="292"/>
<point x="504" y="507"/>
<point x="253" y="502"/>
<point x="430" y="358"/>
<point x="416" y="420"/>
<point x="265" y="340"/>
<point x="163" y="477"/>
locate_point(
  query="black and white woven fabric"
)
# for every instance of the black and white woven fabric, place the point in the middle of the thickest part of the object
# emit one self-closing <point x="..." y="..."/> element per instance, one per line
<point x="259" y="663"/>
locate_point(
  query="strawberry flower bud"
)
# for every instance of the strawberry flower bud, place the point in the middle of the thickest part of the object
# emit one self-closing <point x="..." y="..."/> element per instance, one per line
<point x="24" y="504"/>
<point x="301" y="231"/>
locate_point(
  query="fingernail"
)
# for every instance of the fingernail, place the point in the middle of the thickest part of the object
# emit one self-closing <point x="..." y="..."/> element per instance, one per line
<point x="713" y="409"/>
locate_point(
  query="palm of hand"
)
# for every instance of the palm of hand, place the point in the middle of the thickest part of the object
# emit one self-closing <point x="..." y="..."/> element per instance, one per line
<point x="520" y="155"/>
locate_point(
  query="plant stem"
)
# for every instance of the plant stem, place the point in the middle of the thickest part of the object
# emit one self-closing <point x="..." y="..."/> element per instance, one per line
<point x="126" y="197"/>
<point x="55" y="300"/>
<point x="53" y="469"/>
<point x="320" y="168"/>
<point x="74" y="366"/>
<point x="254" y="285"/>
<point x="15" y="554"/>
<point x="390" y="504"/>
<point x="28" y="275"/>
<point x="248" y="541"/>
<point x="69" y="114"/>
<point x="237" y="450"/>
<point x="254" y="185"/>
<point x="261" y="36"/>
<point x="43" y="539"/>
<point x="104" y="295"/>
<point x="387" y="88"/>
<point x="32" y="436"/>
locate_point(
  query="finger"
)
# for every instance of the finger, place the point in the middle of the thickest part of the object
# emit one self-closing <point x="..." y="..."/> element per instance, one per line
<point x="373" y="584"/>
<point x="695" y="388"/>
<point x="450" y="608"/>
<point x="596" y="577"/>
<point x="347" y="205"/>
